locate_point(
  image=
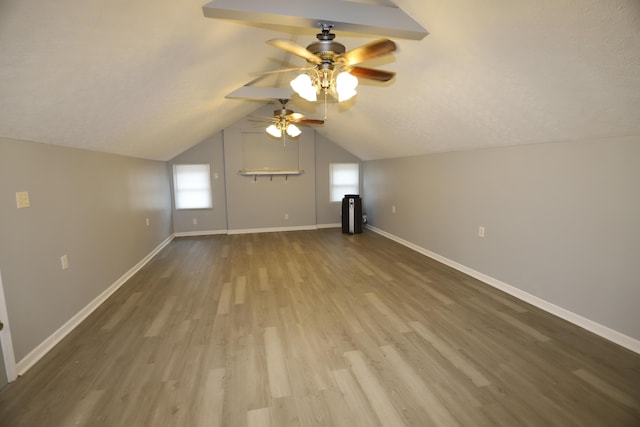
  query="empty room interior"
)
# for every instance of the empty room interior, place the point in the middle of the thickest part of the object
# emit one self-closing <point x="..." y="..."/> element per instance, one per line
<point x="340" y="213"/>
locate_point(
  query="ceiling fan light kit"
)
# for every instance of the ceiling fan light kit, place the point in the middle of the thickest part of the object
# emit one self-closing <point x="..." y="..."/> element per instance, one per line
<point x="277" y="130"/>
<point x="307" y="87"/>
<point x="283" y="122"/>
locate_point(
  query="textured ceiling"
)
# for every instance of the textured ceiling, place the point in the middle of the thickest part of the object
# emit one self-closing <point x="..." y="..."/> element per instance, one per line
<point x="149" y="79"/>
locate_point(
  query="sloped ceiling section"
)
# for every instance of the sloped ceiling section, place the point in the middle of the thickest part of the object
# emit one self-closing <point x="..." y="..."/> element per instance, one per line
<point x="149" y="78"/>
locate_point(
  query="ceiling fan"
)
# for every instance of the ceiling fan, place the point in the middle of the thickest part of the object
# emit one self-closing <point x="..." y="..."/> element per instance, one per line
<point x="333" y="70"/>
<point x="283" y="122"/>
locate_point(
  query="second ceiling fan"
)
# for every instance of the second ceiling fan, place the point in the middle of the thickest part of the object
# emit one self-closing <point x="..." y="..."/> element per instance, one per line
<point x="284" y="121"/>
<point x="333" y="69"/>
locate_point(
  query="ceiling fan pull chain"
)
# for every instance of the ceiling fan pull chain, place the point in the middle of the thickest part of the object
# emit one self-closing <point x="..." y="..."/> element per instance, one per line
<point x="325" y="106"/>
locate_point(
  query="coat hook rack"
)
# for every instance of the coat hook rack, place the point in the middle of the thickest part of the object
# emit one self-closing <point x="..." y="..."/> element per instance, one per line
<point x="270" y="172"/>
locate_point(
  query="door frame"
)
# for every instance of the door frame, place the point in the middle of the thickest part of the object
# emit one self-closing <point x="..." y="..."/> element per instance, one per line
<point x="5" y="338"/>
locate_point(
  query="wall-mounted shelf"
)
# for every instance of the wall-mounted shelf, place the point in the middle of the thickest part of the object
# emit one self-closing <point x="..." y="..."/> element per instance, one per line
<point x="255" y="173"/>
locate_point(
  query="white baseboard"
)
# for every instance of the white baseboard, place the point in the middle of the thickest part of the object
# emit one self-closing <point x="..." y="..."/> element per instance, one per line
<point x="598" y="329"/>
<point x="272" y="229"/>
<point x="44" y="347"/>
<point x="254" y="230"/>
<point x="199" y="233"/>
<point x="336" y="225"/>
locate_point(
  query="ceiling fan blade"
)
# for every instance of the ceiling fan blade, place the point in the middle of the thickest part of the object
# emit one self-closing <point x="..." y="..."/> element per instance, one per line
<point x="294" y="117"/>
<point x="368" y="51"/>
<point x="300" y="118"/>
<point x="255" y="118"/>
<point x="310" y="121"/>
<point x="372" y="74"/>
<point x="296" y="49"/>
<point x="282" y="70"/>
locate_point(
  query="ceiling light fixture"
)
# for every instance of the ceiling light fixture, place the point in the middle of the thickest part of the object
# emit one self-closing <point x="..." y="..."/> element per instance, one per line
<point x="284" y="121"/>
<point x="274" y="131"/>
<point x="342" y="87"/>
<point x="283" y="126"/>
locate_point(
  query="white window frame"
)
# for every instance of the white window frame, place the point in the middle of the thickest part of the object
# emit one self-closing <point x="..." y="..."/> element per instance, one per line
<point x="201" y="185"/>
<point x="343" y="188"/>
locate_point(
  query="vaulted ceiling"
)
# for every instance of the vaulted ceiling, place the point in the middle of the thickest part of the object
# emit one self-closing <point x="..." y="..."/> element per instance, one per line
<point x="149" y="78"/>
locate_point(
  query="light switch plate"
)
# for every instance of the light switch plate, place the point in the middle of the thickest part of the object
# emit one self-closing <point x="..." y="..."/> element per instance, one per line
<point x="22" y="199"/>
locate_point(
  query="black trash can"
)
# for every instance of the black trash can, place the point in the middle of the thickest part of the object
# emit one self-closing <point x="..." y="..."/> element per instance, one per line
<point x="352" y="214"/>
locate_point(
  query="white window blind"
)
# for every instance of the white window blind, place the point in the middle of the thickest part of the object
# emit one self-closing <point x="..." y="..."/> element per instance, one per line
<point x="344" y="179"/>
<point x="192" y="185"/>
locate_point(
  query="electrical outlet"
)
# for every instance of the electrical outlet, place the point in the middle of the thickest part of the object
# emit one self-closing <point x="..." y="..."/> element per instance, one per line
<point x="481" y="231"/>
<point x="195" y="221"/>
<point x="147" y="221"/>
<point x="64" y="261"/>
<point x="393" y="209"/>
<point x="286" y="216"/>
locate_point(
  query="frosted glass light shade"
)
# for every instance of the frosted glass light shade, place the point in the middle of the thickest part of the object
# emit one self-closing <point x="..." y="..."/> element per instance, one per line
<point x="304" y="87"/>
<point x="274" y="131"/>
<point x="346" y="86"/>
<point x="293" y="130"/>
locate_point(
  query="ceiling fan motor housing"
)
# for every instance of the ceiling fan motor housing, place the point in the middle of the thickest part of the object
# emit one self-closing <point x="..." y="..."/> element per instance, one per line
<point x="326" y="49"/>
<point x="283" y="112"/>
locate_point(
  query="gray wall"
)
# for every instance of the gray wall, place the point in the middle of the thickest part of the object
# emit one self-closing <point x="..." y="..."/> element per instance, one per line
<point x="562" y="219"/>
<point x="210" y="151"/>
<point x="244" y="203"/>
<point x="263" y="203"/>
<point x="90" y="206"/>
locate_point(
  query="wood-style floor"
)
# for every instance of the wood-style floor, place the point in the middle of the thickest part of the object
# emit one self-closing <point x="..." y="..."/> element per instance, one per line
<point x="317" y="328"/>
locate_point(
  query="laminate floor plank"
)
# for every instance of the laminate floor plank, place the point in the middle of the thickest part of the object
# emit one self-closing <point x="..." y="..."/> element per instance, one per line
<point x="259" y="418"/>
<point x="451" y="354"/>
<point x="359" y="407"/>
<point x="377" y="396"/>
<point x="276" y="364"/>
<point x="320" y="328"/>
<point x="211" y="400"/>
<point x="420" y="392"/>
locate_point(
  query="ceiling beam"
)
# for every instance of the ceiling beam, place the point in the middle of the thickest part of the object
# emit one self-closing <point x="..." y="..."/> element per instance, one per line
<point x="253" y="92"/>
<point x="343" y="15"/>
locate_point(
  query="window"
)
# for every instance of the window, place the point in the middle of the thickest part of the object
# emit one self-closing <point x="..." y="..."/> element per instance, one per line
<point x="192" y="185"/>
<point x="344" y="178"/>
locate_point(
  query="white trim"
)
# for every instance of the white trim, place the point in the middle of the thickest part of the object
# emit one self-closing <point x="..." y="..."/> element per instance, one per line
<point x="255" y="230"/>
<point x="44" y="347"/>
<point x="335" y="225"/>
<point x="5" y="339"/>
<point x="272" y="229"/>
<point x="598" y="329"/>
<point x="199" y="233"/>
